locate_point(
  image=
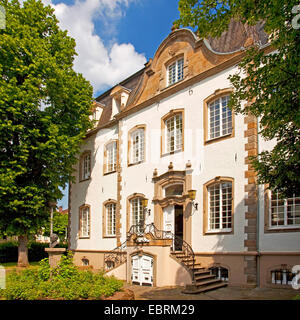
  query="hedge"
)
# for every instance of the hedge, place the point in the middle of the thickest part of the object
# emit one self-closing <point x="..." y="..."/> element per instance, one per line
<point x="36" y="251"/>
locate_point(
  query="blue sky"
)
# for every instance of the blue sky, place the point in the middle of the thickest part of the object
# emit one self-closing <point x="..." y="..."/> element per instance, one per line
<point x="114" y="38"/>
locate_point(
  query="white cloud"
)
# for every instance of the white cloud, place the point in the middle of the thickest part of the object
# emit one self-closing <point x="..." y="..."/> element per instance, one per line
<point x="103" y="65"/>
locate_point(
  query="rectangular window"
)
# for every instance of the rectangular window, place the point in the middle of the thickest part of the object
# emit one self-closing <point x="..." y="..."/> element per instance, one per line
<point x="138" y="146"/>
<point x="284" y="212"/>
<point x="111" y="157"/>
<point x="220" y="118"/>
<point x="174" y="133"/>
<point x="111" y="219"/>
<point x="85" y="222"/>
<point x="137" y="212"/>
<point x="220" y="206"/>
<point x="175" y="71"/>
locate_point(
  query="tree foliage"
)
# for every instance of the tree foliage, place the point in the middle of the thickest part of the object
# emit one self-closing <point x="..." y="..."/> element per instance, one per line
<point x="60" y="223"/>
<point x="44" y="114"/>
<point x="269" y="81"/>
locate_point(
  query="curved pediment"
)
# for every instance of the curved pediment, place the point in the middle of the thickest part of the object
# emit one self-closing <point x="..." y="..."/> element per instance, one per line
<point x="180" y="44"/>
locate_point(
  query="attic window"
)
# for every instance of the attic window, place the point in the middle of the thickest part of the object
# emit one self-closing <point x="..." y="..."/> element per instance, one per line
<point x="175" y="71"/>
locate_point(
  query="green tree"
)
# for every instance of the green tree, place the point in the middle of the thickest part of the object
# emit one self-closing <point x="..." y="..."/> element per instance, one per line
<point x="60" y="224"/>
<point x="44" y="114"/>
<point x="269" y="81"/>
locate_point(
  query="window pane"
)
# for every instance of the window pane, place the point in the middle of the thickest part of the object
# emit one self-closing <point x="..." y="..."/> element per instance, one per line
<point x="111" y="219"/>
<point x="174" y="133"/>
<point x="137" y="140"/>
<point x="137" y="213"/>
<point x="180" y="69"/>
<point x="111" y="156"/>
<point x="284" y="212"/>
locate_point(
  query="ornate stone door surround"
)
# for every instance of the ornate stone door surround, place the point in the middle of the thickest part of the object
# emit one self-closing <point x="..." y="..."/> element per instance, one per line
<point x="172" y="177"/>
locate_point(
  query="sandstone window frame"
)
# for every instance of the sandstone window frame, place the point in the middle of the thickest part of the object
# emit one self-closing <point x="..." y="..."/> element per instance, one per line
<point x="268" y="228"/>
<point x="206" y="213"/>
<point x="85" y="162"/>
<point x="107" y="203"/>
<point x="131" y="132"/>
<point x="106" y="161"/>
<point x="164" y="134"/>
<point x="218" y="94"/>
<point x="82" y="210"/>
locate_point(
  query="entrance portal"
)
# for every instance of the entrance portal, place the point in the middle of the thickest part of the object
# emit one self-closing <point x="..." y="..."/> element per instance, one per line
<point x="173" y="221"/>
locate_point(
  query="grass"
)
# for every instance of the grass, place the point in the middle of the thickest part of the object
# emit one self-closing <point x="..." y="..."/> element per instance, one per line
<point x="15" y="264"/>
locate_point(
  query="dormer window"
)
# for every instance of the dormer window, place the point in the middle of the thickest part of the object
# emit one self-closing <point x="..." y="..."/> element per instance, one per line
<point x="120" y="97"/>
<point x="175" y="71"/>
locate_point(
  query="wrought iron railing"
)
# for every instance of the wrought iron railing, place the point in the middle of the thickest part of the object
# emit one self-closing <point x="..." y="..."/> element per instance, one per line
<point x="118" y="255"/>
<point x="115" y="258"/>
<point x="178" y="244"/>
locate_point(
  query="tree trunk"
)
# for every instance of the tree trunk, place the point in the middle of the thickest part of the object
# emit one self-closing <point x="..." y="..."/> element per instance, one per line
<point x="23" y="251"/>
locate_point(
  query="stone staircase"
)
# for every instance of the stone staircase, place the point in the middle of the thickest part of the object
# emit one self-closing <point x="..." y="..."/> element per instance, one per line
<point x="203" y="280"/>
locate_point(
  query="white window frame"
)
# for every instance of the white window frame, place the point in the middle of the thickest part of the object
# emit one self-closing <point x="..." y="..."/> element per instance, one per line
<point x="221" y="118"/>
<point x="137" y="148"/>
<point x="175" y="133"/>
<point x="220" y="229"/>
<point x="110" y="227"/>
<point x="177" y="70"/>
<point x="85" y="222"/>
<point x="285" y="212"/>
<point x="111" y="157"/>
<point x="86" y="166"/>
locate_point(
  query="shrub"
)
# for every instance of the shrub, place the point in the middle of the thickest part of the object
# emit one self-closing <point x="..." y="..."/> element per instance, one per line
<point x="63" y="282"/>
<point x="36" y="251"/>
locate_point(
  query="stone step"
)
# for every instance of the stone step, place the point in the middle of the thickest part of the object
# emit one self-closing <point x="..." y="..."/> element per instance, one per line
<point x="206" y="288"/>
<point x="201" y="272"/>
<point x="204" y="276"/>
<point x="204" y="282"/>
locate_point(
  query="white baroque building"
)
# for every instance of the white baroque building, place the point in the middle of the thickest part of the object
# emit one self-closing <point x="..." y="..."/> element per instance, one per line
<point x="164" y="192"/>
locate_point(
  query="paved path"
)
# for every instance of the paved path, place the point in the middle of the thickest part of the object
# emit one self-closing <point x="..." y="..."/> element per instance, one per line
<point x="228" y="293"/>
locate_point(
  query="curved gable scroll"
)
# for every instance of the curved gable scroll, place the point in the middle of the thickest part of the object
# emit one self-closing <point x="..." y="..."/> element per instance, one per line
<point x="181" y="43"/>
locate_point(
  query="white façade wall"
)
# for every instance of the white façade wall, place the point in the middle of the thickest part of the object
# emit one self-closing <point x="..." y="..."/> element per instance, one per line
<point x="279" y="241"/>
<point x="94" y="192"/>
<point x="223" y="158"/>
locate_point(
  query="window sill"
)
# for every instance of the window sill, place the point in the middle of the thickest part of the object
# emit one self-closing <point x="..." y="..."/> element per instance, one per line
<point x="221" y="231"/>
<point x="171" y="153"/>
<point x="136" y="163"/>
<point x="226" y="136"/>
<point x="283" y="229"/>
<point x="82" y="238"/>
<point x="85" y="180"/>
<point x="108" y="173"/>
<point x="109" y="237"/>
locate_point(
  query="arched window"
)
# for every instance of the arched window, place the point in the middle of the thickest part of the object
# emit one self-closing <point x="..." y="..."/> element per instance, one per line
<point x="110" y="219"/>
<point x="219" y="272"/>
<point x="137" y="213"/>
<point x="84" y="221"/>
<point x="85" y="166"/>
<point x="110" y="157"/>
<point x="85" y="262"/>
<point x="218" y="205"/>
<point x="175" y="71"/>
<point x="218" y="118"/>
<point x="136" y="145"/>
<point x="173" y="132"/>
<point x="282" y="276"/>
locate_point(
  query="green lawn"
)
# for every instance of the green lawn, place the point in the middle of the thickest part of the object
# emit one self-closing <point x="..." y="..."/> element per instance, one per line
<point x="14" y="264"/>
